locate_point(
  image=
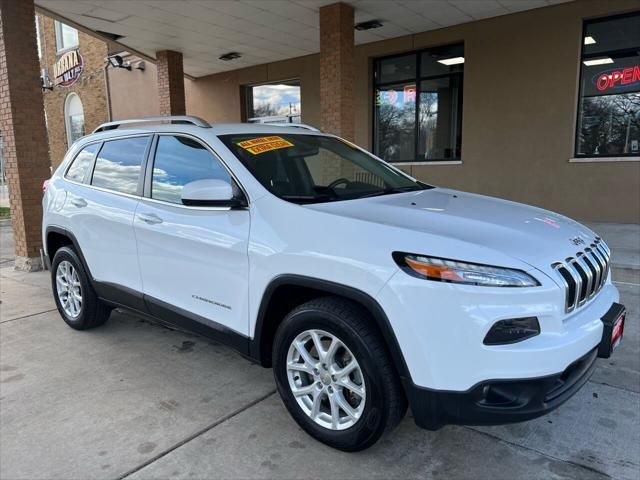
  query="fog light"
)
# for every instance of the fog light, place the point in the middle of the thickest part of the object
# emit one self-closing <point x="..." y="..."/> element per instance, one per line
<point x="512" y="331"/>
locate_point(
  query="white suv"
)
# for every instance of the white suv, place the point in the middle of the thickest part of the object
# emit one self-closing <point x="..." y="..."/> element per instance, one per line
<point x="365" y="289"/>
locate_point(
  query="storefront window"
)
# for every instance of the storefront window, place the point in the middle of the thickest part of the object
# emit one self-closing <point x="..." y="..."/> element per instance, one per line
<point x="418" y="105"/>
<point x="66" y="36"/>
<point x="609" y="107"/>
<point x="74" y="118"/>
<point x="274" y="102"/>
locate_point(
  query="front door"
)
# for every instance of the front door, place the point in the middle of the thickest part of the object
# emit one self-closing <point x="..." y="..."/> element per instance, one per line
<point x="193" y="260"/>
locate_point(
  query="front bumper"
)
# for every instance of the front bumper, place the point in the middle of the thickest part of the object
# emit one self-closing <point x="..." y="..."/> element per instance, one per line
<point x="501" y="401"/>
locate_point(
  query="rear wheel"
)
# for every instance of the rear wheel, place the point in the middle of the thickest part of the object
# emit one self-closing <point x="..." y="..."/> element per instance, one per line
<point x="335" y="376"/>
<point x="75" y="298"/>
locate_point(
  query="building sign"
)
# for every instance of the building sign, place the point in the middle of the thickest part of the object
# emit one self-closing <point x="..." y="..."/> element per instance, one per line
<point x="68" y="68"/>
<point x="392" y="97"/>
<point x="617" y="79"/>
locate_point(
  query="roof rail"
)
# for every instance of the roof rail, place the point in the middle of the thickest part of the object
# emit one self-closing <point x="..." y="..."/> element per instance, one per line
<point x="304" y="126"/>
<point x="180" y="119"/>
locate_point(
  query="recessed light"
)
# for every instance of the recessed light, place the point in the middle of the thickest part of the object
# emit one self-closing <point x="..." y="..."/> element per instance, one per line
<point x="451" y="61"/>
<point x="368" y="25"/>
<point x="589" y="40"/>
<point x="229" y="56"/>
<point x="597" y="61"/>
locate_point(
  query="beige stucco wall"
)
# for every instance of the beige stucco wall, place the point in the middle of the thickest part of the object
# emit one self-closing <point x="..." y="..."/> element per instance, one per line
<point x="133" y="92"/>
<point x="519" y="109"/>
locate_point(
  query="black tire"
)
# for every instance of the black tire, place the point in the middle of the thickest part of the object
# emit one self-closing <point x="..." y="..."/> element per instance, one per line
<point x="93" y="312"/>
<point x="385" y="404"/>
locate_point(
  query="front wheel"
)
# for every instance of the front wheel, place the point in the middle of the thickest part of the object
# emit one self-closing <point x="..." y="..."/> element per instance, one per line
<point x="335" y="376"/>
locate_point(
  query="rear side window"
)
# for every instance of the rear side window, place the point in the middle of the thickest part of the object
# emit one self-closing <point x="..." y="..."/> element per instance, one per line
<point x="180" y="160"/>
<point x="119" y="164"/>
<point x="82" y="163"/>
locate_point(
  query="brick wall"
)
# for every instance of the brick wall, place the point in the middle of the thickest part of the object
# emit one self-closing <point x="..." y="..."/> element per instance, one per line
<point x="170" y="82"/>
<point x="90" y="87"/>
<point x="23" y="129"/>
<point x="337" y="110"/>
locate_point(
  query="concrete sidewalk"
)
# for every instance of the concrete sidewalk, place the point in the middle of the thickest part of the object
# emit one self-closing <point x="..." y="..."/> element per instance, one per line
<point x="136" y="400"/>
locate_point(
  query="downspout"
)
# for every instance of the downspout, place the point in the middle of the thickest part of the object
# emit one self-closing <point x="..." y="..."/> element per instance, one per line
<point x="107" y="90"/>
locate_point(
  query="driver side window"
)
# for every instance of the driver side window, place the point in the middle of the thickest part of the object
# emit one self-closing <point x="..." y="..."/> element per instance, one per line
<point x="181" y="160"/>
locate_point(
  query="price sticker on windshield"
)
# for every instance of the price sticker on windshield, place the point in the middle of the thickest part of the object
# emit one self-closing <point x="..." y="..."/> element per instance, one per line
<point x="264" y="144"/>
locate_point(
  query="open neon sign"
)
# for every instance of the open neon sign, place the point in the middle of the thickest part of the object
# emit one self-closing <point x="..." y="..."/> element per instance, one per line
<point x="625" y="78"/>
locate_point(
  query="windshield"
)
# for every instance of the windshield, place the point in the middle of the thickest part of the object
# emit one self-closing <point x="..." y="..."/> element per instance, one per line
<point x="314" y="168"/>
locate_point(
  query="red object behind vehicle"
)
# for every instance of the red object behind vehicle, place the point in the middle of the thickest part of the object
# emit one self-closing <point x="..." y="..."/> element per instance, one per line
<point x="45" y="184"/>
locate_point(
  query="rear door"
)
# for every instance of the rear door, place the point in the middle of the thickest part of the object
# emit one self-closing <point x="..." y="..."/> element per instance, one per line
<point x="193" y="260"/>
<point x="100" y="209"/>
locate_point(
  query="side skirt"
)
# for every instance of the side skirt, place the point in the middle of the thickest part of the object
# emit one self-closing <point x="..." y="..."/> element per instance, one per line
<point x="166" y="313"/>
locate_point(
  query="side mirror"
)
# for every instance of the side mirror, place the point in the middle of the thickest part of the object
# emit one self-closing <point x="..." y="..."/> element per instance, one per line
<point x="211" y="192"/>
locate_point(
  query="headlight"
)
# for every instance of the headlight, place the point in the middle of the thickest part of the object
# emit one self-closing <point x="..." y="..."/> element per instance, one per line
<point x="454" y="271"/>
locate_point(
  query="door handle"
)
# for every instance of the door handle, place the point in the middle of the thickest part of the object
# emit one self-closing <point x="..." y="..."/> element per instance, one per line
<point x="79" y="202"/>
<point x="150" y="218"/>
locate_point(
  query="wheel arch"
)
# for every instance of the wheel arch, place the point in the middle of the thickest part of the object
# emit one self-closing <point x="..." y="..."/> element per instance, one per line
<point x="285" y="292"/>
<point x="57" y="237"/>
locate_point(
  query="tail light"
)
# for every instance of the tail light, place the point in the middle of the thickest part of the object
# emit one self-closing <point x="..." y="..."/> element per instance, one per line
<point x="45" y="184"/>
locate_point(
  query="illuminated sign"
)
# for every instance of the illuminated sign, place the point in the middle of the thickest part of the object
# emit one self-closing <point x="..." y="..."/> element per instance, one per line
<point x="392" y="97"/>
<point x="68" y="68"/>
<point x="624" y="78"/>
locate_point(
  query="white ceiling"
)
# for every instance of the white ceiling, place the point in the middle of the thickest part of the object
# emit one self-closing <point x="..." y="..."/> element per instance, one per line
<point x="261" y="30"/>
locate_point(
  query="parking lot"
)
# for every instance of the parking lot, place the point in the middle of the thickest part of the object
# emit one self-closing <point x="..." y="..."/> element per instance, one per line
<point x="137" y="400"/>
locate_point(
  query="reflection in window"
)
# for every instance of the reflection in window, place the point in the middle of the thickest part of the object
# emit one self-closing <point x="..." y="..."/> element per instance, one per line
<point x="440" y="123"/>
<point x="66" y="36"/>
<point x="420" y="118"/>
<point x="274" y="103"/>
<point x="81" y="164"/>
<point x="178" y="161"/>
<point x="74" y="118"/>
<point x="119" y="163"/>
<point x="395" y="122"/>
<point x="609" y="108"/>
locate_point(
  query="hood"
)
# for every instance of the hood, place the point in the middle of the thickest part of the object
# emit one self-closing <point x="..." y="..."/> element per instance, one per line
<point x="532" y="235"/>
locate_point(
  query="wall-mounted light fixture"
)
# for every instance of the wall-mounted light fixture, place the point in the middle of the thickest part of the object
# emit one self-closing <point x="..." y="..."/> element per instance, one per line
<point x="368" y="25"/>
<point x="229" y="56"/>
<point x="116" y="61"/>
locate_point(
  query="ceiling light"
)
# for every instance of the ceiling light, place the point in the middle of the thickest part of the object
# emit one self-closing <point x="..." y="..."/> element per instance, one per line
<point x="451" y="61"/>
<point x="368" y="25"/>
<point x="229" y="56"/>
<point x="589" y="40"/>
<point x="597" y="61"/>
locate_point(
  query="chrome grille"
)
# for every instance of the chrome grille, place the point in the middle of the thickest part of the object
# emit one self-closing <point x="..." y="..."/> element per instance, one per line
<point x="585" y="274"/>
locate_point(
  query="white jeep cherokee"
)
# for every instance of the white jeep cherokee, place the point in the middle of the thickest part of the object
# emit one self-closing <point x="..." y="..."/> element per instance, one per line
<point x="365" y="289"/>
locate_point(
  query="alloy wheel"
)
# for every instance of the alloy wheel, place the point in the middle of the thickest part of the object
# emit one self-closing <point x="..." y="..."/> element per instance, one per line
<point x="326" y="379"/>
<point x="69" y="289"/>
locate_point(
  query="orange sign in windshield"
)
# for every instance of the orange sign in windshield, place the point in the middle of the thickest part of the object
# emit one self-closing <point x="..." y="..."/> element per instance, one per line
<point x="264" y="144"/>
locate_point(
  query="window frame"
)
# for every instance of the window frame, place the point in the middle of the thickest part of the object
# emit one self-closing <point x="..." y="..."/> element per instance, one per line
<point x="143" y="164"/>
<point x="582" y="157"/>
<point x="151" y="160"/>
<point x="417" y="79"/>
<point x="60" y="47"/>
<point x="247" y="99"/>
<point x="89" y="173"/>
<point x="67" y="122"/>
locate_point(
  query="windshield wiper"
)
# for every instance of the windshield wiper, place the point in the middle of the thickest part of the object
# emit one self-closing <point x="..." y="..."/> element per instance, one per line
<point x="388" y="191"/>
<point x="302" y="199"/>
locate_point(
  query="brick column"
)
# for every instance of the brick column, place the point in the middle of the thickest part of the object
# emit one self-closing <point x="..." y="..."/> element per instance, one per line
<point x="170" y="83"/>
<point x="337" y="112"/>
<point x="26" y="151"/>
